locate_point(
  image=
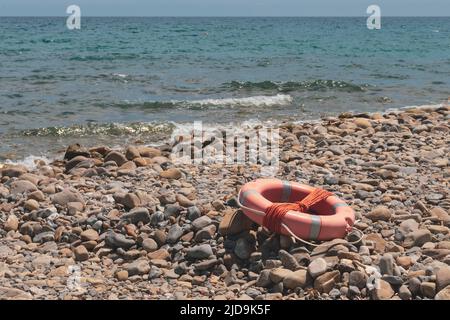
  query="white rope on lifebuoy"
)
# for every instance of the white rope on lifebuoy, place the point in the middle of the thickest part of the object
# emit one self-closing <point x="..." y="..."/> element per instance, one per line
<point x="262" y="213"/>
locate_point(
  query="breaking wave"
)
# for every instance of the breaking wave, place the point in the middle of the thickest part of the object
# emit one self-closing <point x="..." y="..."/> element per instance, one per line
<point x="102" y="129"/>
<point x="291" y="86"/>
<point x="255" y="101"/>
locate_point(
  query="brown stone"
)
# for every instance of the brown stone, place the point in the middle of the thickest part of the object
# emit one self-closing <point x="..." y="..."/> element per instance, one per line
<point x="442" y="278"/>
<point x="59" y="272"/>
<point x="131" y="201"/>
<point x="349" y="255"/>
<point x="122" y="275"/>
<point x="234" y="223"/>
<point x="149" y="152"/>
<point x="132" y="153"/>
<point x="76" y="161"/>
<point x="383" y="291"/>
<point x="13" y="171"/>
<point x="444" y="294"/>
<point x="34" y="179"/>
<point x="436" y="254"/>
<point x="172" y="173"/>
<point x="74" y="207"/>
<point x="296" y="279"/>
<point x="438" y="229"/>
<point x="187" y="237"/>
<point x="379" y="242"/>
<point x="103" y="151"/>
<point x="31" y="205"/>
<point x="81" y="253"/>
<point x="89" y="235"/>
<point x="89" y="245"/>
<point x="279" y="274"/>
<point x="362" y="123"/>
<point x="68" y="195"/>
<point x="441" y="214"/>
<point x="417" y="238"/>
<point x="162" y="254"/>
<point x="129" y="165"/>
<point x="12" y="223"/>
<point x="428" y="289"/>
<point x="218" y="205"/>
<point x="380" y="213"/>
<point x="37" y="195"/>
<point x="184" y="201"/>
<point x="443" y="245"/>
<point x="140" y="162"/>
<point x="422" y="207"/>
<point x="404" y="261"/>
<point x="149" y="245"/>
<point x="327" y="281"/>
<point x="22" y="186"/>
<point x="160" y="237"/>
<point x="117" y="157"/>
<point x="75" y="150"/>
<point x="8" y="293"/>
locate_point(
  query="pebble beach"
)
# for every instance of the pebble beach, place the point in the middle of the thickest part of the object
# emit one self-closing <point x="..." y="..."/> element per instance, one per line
<point x="128" y="223"/>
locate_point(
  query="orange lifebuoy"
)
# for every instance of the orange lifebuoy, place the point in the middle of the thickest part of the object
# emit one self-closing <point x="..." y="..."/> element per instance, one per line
<point x="326" y="220"/>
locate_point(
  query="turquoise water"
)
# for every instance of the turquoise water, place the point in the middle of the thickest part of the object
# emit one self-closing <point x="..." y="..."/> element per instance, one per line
<point x="121" y="78"/>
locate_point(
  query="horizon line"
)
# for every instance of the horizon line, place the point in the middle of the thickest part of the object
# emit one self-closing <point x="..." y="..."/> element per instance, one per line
<point x="212" y="16"/>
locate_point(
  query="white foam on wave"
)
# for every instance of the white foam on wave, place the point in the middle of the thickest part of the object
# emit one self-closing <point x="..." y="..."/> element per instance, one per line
<point x="424" y="106"/>
<point x="244" y="126"/>
<point x="120" y="75"/>
<point x="29" y="161"/>
<point x="256" y="101"/>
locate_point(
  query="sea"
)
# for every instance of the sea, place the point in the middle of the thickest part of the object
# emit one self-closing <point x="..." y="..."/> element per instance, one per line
<point x="122" y="80"/>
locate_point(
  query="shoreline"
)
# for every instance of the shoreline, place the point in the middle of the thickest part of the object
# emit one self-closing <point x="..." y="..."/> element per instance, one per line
<point x="138" y="226"/>
<point x="270" y="124"/>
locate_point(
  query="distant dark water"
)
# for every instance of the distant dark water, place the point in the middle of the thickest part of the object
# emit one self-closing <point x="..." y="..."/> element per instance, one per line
<point x="121" y="78"/>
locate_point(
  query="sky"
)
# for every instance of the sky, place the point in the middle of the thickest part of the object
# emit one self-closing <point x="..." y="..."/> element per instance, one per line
<point x="225" y="7"/>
